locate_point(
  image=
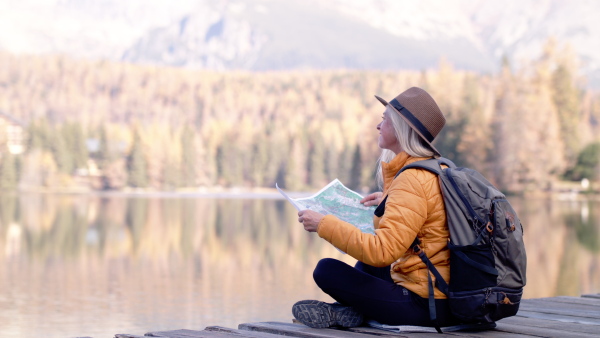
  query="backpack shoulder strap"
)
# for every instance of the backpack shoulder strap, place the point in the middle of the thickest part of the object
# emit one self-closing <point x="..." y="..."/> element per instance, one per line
<point x="433" y="165"/>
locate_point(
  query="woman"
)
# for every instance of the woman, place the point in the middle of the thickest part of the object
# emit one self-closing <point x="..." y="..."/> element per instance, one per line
<point x="389" y="283"/>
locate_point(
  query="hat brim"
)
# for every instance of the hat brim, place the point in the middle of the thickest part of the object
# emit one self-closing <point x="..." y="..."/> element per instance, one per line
<point x="385" y="104"/>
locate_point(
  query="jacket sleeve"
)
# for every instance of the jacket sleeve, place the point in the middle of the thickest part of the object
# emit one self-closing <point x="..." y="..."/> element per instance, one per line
<point x="405" y="214"/>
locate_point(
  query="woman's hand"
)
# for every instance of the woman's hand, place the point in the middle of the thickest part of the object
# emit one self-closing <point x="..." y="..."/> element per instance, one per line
<point x="372" y="199"/>
<point x="310" y="219"/>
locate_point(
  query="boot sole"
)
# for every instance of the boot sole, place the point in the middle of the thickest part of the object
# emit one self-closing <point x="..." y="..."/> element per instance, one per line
<point x="317" y="314"/>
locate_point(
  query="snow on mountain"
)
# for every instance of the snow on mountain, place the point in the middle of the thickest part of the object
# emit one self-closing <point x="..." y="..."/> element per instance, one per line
<point x="292" y="34"/>
<point x="82" y="28"/>
<point x="515" y="28"/>
<point x="207" y="37"/>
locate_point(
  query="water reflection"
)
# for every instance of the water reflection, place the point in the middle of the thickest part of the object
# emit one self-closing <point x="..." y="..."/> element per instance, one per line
<point x="96" y="266"/>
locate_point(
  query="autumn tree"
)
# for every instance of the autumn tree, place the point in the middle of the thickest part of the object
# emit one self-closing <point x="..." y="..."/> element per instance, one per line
<point x="316" y="161"/>
<point x="104" y="156"/>
<point x="39" y="132"/>
<point x="587" y="164"/>
<point x="522" y="127"/>
<point x="566" y="99"/>
<point x="356" y="170"/>
<point x="260" y="162"/>
<point x="60" y="149"/>
<point x="76" y="144"/>
<point x="137" y="164"/>
<point x="189" y="161"/>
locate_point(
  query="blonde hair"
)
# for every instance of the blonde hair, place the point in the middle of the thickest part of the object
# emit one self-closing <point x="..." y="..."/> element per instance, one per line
<point x="410" y="142"/>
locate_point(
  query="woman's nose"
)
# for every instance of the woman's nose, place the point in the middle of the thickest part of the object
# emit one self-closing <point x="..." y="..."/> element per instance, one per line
<point x="379" y="126"/>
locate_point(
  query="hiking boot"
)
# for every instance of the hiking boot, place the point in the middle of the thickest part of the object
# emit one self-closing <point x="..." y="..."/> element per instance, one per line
<point x="318" y="314"/>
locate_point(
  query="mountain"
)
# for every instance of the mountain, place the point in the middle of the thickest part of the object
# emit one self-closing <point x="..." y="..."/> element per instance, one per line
<point x="303" y="34"/>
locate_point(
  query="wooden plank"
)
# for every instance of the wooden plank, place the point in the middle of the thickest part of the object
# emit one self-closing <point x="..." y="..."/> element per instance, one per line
<point x="561" y="316"/>
<point x="298" y="330"/>
<point x="429" y="333"/>
<point x="546" y="303"/>
<point x="489" y="334"/>
<point x="558" y="317"/>
<point x="240" y="333"/>
<point x="562" y="311"/>
<point x="190" y="334"/>
<point x="384" y="333"/>
<point x="571" y="300"/>
<point x="552" y="324"/>
<point x="538" y="331"/>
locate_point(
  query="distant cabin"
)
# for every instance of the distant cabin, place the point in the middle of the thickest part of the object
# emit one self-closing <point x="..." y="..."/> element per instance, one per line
<point x="12" y="133"/>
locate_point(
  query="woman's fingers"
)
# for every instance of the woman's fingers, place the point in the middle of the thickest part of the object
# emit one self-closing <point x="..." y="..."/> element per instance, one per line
<point x="309" y="219"/>
<point x="372" y="199"/>
<point x="367" y="198"/>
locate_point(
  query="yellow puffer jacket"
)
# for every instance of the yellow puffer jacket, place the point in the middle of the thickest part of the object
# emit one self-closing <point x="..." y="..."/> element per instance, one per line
<point x="414" y="207"/>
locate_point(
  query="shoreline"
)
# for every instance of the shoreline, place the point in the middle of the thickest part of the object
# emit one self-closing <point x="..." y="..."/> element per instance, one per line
<point x="264" y="193"/>
<point x="213" y="192"/>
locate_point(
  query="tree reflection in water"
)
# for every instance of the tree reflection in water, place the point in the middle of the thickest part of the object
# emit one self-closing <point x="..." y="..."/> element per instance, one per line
<point x="100" y="265"/>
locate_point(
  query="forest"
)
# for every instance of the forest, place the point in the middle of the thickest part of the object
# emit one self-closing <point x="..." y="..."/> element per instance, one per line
<point x="99" y="125"/>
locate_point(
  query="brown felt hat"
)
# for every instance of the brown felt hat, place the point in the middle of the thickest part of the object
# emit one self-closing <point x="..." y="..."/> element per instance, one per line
<point x="420" y="111"/>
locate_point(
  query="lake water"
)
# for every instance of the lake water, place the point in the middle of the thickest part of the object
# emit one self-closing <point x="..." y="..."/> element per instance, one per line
<point x="90" y="265"/>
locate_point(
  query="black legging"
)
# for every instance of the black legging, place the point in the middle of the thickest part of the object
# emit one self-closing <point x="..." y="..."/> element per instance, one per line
<point x="372" y="292"/>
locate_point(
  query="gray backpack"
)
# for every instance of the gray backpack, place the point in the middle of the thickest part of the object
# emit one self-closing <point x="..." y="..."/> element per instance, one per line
<point x="487" y="254"/>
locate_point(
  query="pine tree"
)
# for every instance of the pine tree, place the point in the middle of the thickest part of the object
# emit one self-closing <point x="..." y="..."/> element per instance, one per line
<point x="332" y="161"/>
<point x="295" y="168"/>
<point x="450" y="137"/>
<point x="260" y="162"/>
<point x="356" y="170"/>
<point x="219" y="164"/>
<point x="104" y="154"/>
<point x="234" y="163"/>
<point x="189" y="162"/>
<point x="171" y="175"/>
<point x="566" y="100"/>
<point x="345" y="165"/>
<point x="60" y="151"/>
<point x="137" y="164"/>
<point x="35" y="140"/>
<point x="474" y="143"/>
<point x="78" y="146"/>
<point x="316" y="162"/>
<point x="39" y="133"/>
<point x="587" y="165"/>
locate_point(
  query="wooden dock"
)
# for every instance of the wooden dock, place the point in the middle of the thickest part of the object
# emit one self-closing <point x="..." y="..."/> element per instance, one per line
<point x="541" y="317"/>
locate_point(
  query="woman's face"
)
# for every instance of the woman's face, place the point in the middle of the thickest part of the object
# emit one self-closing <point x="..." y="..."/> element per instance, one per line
<point x="387" y="136"/>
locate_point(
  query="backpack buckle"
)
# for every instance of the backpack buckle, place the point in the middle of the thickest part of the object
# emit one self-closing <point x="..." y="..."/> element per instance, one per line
<point x="416" y="248"/>
<point x="506" y="300"/>
<point x="489" y="227"/>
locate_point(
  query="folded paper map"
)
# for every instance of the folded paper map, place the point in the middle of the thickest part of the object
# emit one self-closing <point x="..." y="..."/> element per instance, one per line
<point x="335" y="199"/>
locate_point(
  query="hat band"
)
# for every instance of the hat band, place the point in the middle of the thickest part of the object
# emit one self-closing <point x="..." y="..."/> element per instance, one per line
<point x="412" y="119"/>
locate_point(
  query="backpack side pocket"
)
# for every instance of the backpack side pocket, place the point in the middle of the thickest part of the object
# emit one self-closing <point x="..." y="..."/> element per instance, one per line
<point x="504" y="302"/>
<point x="488" y="304"/>
<point x="511" y="259"/>
<point x="472" y="267"/>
